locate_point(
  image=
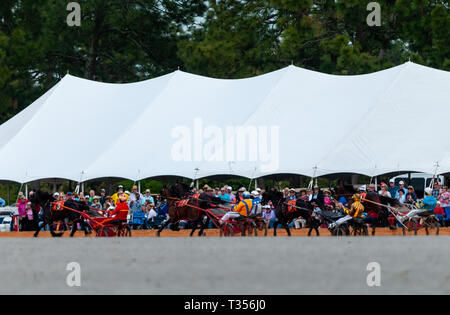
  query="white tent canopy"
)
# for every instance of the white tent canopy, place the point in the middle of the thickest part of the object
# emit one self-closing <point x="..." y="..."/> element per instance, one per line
<point x="289" y="121"/>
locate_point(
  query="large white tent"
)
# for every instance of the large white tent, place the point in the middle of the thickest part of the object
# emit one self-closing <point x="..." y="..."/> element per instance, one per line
<point x="288" y="121"/>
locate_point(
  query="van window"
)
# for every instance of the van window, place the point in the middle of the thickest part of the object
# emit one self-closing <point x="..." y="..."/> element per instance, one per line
<point x="1" y="220"/>
<point x="418" y="183"/>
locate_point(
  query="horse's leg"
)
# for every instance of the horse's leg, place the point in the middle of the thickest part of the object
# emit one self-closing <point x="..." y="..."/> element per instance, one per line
<point x="275" y="225"/>
<point x="194" y="228"/>
<point x="74" y="228"/>
<point x="39" y="228"/>
<point x="286" y="227"/>
<point x="205" y="224"/>
<point x="163" y="226"/>
<point x="52" y="230"/>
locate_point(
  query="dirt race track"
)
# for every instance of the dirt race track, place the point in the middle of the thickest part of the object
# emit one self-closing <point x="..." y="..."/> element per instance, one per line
<point x="214" y="265"/>
<point x="215" y="233"/>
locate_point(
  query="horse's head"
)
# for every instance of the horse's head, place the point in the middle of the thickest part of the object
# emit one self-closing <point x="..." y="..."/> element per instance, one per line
<point x="179" y="190"/>
<point x="41" y="198"/>
<point x="165" y="192"/>
<point x="272" y="195"/>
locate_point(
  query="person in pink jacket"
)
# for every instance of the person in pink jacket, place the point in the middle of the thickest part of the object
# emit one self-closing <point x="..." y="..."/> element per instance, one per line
<point x="21" y="207"/>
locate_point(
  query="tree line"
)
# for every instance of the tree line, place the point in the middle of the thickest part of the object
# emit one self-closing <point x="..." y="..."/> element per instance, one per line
<point x="130" y="40"/>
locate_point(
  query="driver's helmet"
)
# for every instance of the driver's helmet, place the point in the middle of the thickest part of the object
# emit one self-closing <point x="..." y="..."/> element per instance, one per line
<point x="356" y="197"/>
<point x="246" y="194"/>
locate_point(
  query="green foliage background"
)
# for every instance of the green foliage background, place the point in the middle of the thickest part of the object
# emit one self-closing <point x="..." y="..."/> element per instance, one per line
<point x="128" y="40"/>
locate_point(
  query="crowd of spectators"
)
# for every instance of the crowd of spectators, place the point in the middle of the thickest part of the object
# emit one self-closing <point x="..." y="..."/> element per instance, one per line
<point x="153" y="206"/>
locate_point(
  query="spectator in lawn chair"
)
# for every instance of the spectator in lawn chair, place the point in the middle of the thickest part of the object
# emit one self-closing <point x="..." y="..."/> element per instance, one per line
<point x="401" y="196"/>
<point x="96" y="203"/>
<point x="150" y="212"/>
<point x="411" y="197"/>
<point x="269" y="215"/>
<point x="393" y="188"/>
<point x="161" y="207"/>
<point x="440" y="212"/>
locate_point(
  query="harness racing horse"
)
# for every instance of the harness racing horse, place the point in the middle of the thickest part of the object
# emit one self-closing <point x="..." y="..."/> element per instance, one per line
<point x="287" y="212"/>
<point x="66" y="214"/>
<point x="183" y="206"/>
<point x="373" y="205"/>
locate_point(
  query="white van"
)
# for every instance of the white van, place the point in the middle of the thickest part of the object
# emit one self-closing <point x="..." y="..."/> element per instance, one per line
<point x="419" y="181"/>
<point x="6" y="223"/>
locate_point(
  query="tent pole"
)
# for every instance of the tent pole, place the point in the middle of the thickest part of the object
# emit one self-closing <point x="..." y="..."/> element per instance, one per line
<point x="139" y="185"/>
<point x="26" y="190"/>
<point x="8" y="194"/>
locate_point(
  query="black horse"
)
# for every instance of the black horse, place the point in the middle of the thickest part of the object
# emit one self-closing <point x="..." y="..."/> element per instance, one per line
<point x="45" y="201"/>
<point x="286" y="213"/>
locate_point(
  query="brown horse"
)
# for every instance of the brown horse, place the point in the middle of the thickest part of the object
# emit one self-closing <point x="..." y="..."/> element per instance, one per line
<point x="182" y="205"/>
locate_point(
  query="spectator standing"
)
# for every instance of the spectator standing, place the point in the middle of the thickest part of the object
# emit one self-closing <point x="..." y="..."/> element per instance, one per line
<point x="384" y="191"/>
<point x="292" y="195"/>
<point x="224" y="196"/>
<point x="401" y="186"/>
<point x="21" y="207"/>
<point x="2" y="203"/>
<point x="232" y="196"/>
<point x="444" y="198"/>
<point x="103" y="197"/>
<point x="303" y="195"/>
<point x="436" y="190"/>
<point x="240" y="195"/>
<point x="392" y="188"/>
<point x="135" y="202"/>
<point x="147" y="198"/>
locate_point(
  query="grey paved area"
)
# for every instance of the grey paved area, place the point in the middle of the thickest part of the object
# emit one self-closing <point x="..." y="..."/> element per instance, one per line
<point x="226" y="266"/>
